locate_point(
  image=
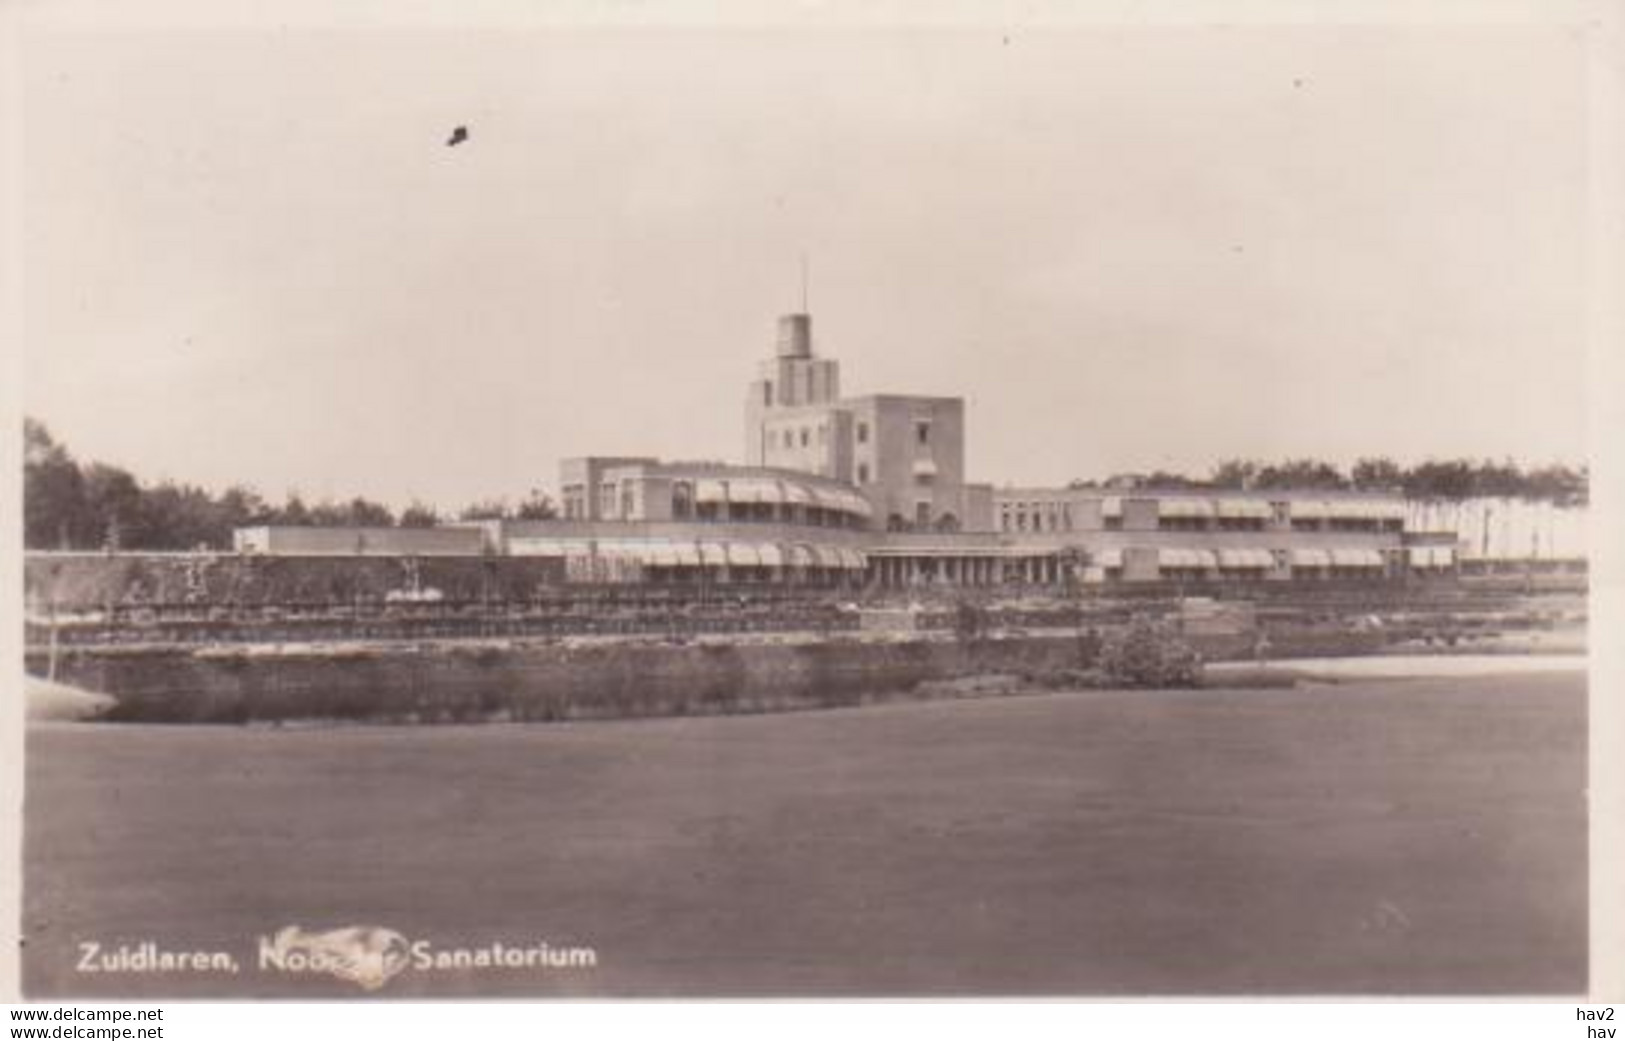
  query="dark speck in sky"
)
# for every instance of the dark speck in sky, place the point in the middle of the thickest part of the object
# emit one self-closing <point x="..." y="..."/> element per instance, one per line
<point x="458" y="136"/>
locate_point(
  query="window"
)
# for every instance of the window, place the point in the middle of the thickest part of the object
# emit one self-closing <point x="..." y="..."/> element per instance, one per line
<point x="823" y="433"/>
<point x="863" y="473"/>
<point x="804" y="437"/>
<point x="789" y="439"/>
<point x="767" y="392"/>
<point x="922" y="514"/>
<point x="922" y="431"/>
<point x="863" y="433"/>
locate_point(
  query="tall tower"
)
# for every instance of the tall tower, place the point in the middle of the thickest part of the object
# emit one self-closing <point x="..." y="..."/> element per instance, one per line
<point x="786" y="411"/>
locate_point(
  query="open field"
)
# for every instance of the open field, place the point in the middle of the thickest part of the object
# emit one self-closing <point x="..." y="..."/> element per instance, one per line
<point x="1377" y="836"/>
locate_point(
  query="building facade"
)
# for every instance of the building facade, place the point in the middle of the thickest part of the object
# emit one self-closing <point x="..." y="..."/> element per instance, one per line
<point x="872" y="490"/>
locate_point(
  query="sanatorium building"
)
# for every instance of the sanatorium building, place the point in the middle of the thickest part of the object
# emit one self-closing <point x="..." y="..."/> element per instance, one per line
<point x="872" y="490"/>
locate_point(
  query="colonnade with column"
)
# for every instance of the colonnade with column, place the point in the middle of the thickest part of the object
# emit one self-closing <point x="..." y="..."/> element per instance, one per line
<point x="965" y="570"/>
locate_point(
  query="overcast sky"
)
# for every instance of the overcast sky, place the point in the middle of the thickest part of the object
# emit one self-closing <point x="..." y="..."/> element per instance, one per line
<point x="251" y="257"/>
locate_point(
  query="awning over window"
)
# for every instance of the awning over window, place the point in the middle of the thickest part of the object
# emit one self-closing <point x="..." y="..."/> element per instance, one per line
<point x="857" y="504"/>
<point x="853" y="560"/>
<point x="826" y="498"/>
<point x="1184" y="507"/>
<point x="1186" y="558"/>
<point x="755" y="490"/>
<point x="772" y="555"/>
<point x="1366" y="509"/>
<point x="1106" y="558"/>
<point x="743" y="554"/>
<point x="1246" y="558"/>
<point x="710" y="491"/>
<point x="662" y="555"/>
<point x="1356" y="558"/>
<point x="1310" y="557"/>
<point x="1111" y="507"/>
<point x="797" y="494"/>
<point x="925" y="467"/>
<point x="712" y="554"/>
<point x="1252" y="509"/>
<point x="801" y="556"/>
<point x="1432" y="556"/>
<point x="841" y="500"/>
<point x="530" y="547"/>
<point x="1349" y="509"/>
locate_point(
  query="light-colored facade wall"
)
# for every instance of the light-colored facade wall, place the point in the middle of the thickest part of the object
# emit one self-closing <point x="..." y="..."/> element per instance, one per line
<point x="1507" y="529"/>
<point x="912" y="452"/>
<point x="335" y="541"/>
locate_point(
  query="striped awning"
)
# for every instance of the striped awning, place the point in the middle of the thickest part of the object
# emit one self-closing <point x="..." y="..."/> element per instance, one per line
<point x="1310" y="557"/>
<point x="710" y="491"/>
<point x="1432" y="556"/>
<point x="800" y="555"/>
<point x="743" y="554"/>
<point x="1246" y="558"/>
<point x="1106" y="558"/>
<point x="797" y="493"/>
<point x="1255" y="509"/>
<point x="663" y="555"/>
<point x="755" y="490"/>
<point x="533" y="547"/>
<point x="857" y="504"/>
<point x="1186" y="558"/>
<point x="826" y="498"/>
<point x="1363" y="509"/>
<point x="1356" y="558"/>
<point x="841" y="500"/>
<point x="1184" y="507"/>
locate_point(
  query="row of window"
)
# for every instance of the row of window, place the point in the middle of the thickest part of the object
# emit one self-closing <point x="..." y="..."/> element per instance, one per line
<point x="1052" y="516"/>
<point x="789" y="436"/>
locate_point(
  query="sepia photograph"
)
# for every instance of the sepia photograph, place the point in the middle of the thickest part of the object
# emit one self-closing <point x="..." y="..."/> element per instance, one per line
<point x="822" y="506"/>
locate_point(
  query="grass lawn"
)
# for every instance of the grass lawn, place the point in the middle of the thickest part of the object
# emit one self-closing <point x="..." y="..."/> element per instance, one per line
<point x="1382" y="836"/>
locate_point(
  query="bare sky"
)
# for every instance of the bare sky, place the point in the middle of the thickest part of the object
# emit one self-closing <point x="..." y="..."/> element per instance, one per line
<point x="250" y="256"/>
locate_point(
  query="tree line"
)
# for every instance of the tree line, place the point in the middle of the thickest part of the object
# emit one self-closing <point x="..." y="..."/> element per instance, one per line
<point x="1432" y="479"/>
<point x="93" y="505"/>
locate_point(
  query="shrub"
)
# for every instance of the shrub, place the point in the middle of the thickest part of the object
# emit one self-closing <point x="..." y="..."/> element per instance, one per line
<point x="1144" y="656"/>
